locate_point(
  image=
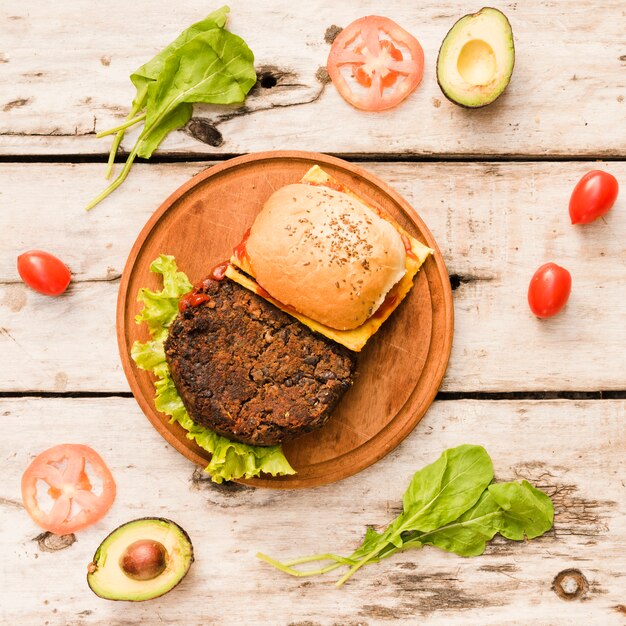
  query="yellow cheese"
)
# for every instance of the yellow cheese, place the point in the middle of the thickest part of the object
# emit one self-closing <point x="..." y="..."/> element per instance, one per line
<point x="356" y="338"/>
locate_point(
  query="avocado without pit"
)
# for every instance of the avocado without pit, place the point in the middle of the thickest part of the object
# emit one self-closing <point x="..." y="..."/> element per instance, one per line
<point x="140" y="560"/>
<point x="476" y="58"/>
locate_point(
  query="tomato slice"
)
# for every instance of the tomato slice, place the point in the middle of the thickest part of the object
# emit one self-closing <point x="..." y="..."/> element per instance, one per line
<point x="373" y="47"/>
<point x="79" y="484"/>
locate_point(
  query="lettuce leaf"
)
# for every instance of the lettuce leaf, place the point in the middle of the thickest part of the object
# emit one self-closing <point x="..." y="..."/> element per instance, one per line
<point x="229" y="459"/>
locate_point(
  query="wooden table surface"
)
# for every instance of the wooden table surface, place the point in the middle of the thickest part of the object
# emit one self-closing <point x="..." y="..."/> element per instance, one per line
<point x="546" y="398"/>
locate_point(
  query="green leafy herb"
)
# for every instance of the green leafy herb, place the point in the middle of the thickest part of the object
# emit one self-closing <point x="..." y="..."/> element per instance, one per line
<point x="449" y="504"/>
<point x="149" y="72"/>
<point x="229" y="459"/>
<point x="206" y="63"/>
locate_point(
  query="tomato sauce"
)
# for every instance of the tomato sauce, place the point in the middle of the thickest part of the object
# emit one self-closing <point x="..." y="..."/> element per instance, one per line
<point x="192" y="299"/>
<point x="240" y="250"/>
<point x="196" y="297"/>
<point x="219" y="271"/>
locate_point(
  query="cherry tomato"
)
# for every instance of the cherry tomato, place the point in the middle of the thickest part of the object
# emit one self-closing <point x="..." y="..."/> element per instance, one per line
<point x="72" y="500"/>
<point x="593" y="196"/>
<point x="43" y="272"/>
<point x="549" y="290"/>
<point x="373" y="48"/>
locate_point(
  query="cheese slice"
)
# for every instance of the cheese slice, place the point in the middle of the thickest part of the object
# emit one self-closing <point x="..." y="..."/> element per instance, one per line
<point x="355" y="338"/>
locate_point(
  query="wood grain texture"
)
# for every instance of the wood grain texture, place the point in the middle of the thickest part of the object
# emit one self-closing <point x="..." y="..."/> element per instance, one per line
<point x="576" y="451"/>
<point x="495" y="224"/>
<point x="200" y="224"/>
<point x="566" y="96"/>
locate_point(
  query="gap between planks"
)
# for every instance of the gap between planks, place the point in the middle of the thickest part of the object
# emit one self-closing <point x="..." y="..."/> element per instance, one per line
<point x="442" y="396"/>
<point x="350" y="157"/>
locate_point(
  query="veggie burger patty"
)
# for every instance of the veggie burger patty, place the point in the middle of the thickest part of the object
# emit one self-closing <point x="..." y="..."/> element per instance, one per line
<point x="251" y="372"/>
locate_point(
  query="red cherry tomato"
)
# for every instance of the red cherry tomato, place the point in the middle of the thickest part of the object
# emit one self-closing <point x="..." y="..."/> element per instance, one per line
<point x="67" y="487"/>
<point x="372" y="47"/>
<point x="593" y="196"/>
<point x="43" y="272"/>
<point x="549" y="290"/>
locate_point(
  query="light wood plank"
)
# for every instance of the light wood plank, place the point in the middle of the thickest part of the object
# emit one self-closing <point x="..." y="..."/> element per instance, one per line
<point x="495" y="223"/>
<point x="65" y="69"/>
<point x="578" y="459"/>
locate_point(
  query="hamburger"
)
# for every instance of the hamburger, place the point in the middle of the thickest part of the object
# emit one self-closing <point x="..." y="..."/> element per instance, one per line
<point x="264" y="348"/>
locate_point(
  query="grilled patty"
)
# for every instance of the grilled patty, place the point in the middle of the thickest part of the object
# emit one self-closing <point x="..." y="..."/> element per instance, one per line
<point x="252" y="373"/>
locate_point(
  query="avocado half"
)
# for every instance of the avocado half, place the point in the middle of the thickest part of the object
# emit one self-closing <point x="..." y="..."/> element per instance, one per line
<point x="476" y="58"/>
<point x="140" y="560"/>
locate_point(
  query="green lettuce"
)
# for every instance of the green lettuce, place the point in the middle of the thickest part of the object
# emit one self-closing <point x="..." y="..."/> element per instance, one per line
<point x="229" y="459"/>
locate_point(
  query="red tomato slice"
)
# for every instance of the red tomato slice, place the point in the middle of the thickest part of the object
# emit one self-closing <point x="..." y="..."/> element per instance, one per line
<point x="69" y="471"/>
<point x="372" y="48"/>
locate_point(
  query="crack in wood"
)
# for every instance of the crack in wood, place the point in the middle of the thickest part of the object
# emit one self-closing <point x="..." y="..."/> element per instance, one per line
<point x="229" y="494"/>
<point x="111" y="277"/>
<point x="12" y="503"/>
<point x="16" y="104"/>
<point x="574" y="515"/>
<point x="270" y="78"/>
<point x="456" y="280"/>
<point x="423" y="594"/>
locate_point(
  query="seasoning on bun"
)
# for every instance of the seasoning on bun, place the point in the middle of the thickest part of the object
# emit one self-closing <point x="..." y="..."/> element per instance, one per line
<point x="321" y="253"/>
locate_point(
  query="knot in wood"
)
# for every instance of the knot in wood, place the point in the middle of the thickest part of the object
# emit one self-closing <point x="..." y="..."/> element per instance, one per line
<point x="570" y="584"/>
<point x="205" y="131"/>
<point x="49" y="542"/>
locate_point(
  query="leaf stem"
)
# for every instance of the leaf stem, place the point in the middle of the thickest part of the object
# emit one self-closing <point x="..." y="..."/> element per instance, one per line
<point x="286" y="567"/>
<point x="126" y="124"/>
<point x="117" y="182"/>
<point x="138" y="104"/>
<point x="359" y="565"/>
<point x="321" y="557"/>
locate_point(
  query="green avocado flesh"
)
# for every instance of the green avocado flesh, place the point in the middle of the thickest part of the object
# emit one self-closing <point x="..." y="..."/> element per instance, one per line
<point x="476" y="58"/>
<point x="107" y="577"/>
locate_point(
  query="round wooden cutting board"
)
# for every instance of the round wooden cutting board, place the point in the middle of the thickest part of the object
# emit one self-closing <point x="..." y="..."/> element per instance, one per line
<point x="399" y="370"/>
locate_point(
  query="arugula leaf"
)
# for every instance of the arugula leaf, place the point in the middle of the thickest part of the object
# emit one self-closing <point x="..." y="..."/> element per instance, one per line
<point x="224" y="75"/>
<point x="229" y="460"/>
<point x="437" y="494"/>
<point x="441" y="491"/>
<point x="211" y="65"/>
<point x="526" y="511"/>
<point x="149" y="72"/>
<point x="515" y="510"/>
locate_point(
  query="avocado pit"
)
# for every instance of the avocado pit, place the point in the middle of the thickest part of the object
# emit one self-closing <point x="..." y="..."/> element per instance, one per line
<point x="144" y="559"/>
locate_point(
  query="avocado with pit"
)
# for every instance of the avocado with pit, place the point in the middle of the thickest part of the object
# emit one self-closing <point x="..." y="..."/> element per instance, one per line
<point x="476" y="58"/>
<point x="140" y="560"/>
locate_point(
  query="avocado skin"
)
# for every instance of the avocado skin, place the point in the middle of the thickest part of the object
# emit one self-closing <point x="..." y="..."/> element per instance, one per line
<point x="182" y="531"/>
<point x="508" y="80"/>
